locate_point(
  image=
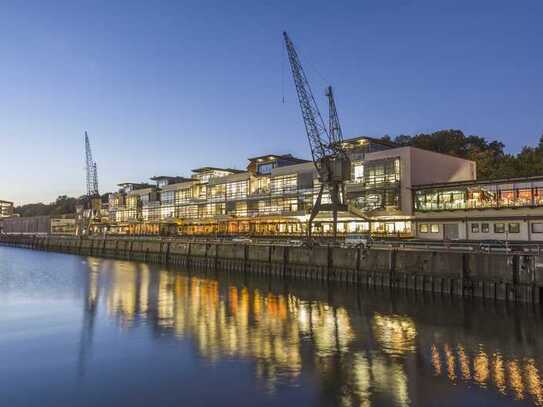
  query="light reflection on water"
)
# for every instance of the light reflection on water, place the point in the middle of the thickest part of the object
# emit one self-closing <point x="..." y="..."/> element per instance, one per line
<point x="353" y="347"/>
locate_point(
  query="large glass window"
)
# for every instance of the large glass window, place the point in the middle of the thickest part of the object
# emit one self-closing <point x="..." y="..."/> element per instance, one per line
<point x="183" y="196"/>
<point x="455" y="199"/>
<point x="218" y="192"/>
<point x="537" y="227"/>
<point x="187" y="212"/>
<point x="236" y="190"/>
<point x="265" y="168"/>
<point x="373" y="200"/>
<point x="480" y="196"/>
<point x="281" y="205"/>
<point x="514" y="228"/>
<point x="167" y="197"/>
<point x="358" y="172"/>
<point x="284" y="184"/>
<point x="382" y="172"/>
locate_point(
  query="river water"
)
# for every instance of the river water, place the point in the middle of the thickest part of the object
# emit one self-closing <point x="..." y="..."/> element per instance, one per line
<point x="84" y="331"/>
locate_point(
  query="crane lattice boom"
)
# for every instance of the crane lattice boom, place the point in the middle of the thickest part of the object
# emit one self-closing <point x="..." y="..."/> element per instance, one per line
<point x="92" y="170"/>
<point x="317" y="133"/>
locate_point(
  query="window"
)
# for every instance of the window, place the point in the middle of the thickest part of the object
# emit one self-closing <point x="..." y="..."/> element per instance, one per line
<point x="434" y="228"/>
<point x="474" y="228"/>
<point x="484" y="228"/>
<point x="265" y="168"/>
<point x="284" y="184"/>
<point x="423" y="228"/>
<point x="358" y="173"/>
<point x="499" y="228"/>
<point x="514" y="227"/>
<point x="382" y="172"/>
<point x="537" y="227"/>
<point x="236" y="190"/>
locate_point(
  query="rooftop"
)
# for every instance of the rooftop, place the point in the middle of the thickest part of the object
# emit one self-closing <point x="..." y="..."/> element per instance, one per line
<point x="207" y="169"/>
<point x="271" y="157"/>
<point x="135" y="185"/>
<point x="169" y="179"/>
<point x="370" y="140"/>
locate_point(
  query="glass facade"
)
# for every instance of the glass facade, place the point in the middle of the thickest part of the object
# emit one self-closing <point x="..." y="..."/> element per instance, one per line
<point x="284" y="185"/>
<point x="480" y="196"/>
<point x="380" y="182"/>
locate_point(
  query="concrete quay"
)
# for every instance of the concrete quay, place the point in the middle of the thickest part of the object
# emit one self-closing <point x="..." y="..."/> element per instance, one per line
<point x="512" y="277"/>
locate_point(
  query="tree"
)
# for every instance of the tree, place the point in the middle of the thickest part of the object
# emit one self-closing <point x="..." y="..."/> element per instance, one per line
<point x="63" y="205"/>
<point x="492" y="161"/>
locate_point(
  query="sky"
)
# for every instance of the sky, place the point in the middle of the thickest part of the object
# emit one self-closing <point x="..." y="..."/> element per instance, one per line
<point x="163" y="87"/>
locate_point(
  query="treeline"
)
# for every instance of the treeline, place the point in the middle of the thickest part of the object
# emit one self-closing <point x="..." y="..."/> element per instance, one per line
<point x="63" y="205"/>
<point x="492" y="161"/>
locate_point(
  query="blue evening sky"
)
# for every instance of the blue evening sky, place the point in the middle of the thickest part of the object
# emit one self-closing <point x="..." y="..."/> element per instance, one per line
<point x="166" y="86"/>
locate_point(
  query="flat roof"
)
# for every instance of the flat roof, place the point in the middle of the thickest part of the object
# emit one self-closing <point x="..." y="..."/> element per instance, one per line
<point x="169" y="178"/>
<point x="289" y="157"/>
<point x="205" y="169"/>
<point x="481" y="182"/>
<point x="135" y="184"/>
<point x="8" y="202"/>
<point x="372" y="140"/>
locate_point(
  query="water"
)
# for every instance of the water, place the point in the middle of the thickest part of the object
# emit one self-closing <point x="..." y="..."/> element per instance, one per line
<point x="78" y="331"/>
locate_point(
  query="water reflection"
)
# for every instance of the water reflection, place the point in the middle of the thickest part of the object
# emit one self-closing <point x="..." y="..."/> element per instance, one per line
<point x="363" y="350"/>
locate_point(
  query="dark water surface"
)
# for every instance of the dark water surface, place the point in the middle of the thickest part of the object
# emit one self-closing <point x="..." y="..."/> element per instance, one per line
<point x="78" y="331"/>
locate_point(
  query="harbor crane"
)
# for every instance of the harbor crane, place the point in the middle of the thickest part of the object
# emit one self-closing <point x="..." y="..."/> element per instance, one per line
<point x="92" y="202"/>
<point x="92" y="172"/>
<point x="331" y="161"/>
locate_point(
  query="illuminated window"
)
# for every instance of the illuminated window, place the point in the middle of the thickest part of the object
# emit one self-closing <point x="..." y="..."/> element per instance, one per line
<point x="474" y="228"/>
<point x="265" y="168"/>
<point x="485" y="228"/>
<point x="434" y="228"/>
<point x="514" y="228"/>
<point x="358" y="173"/>
<point x="499" y="228"/>
<point x="423" y="228"/>
<point x="183" y="196"/>
<point x="284" y="184"/>
<point x="236" y="190"/>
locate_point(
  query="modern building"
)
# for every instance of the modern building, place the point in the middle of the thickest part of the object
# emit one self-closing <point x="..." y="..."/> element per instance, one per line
<point x="6" y="209"/>
<point x="274" y="195"/>
<point x="510" y="209"/>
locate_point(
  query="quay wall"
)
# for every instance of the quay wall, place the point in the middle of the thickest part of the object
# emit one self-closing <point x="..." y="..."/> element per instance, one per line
<point x="493" y="276"/>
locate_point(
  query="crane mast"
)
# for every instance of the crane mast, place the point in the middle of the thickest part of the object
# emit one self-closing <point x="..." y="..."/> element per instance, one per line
<point x="329" y="156"/>
<point x="92" y="171"/>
